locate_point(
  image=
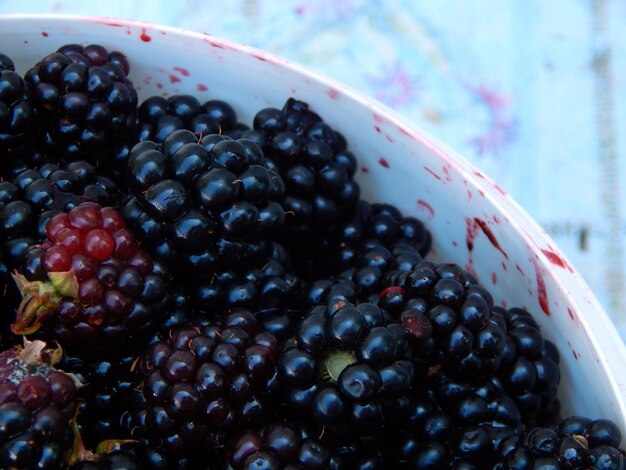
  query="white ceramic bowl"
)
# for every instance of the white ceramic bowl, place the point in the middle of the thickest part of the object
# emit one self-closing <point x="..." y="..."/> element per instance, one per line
<point x="474" y="222"/>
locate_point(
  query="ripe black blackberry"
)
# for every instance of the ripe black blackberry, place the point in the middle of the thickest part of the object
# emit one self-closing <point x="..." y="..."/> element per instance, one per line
<point x="104" y="396"/>
<point x="89" y="286"/>
<point x="202" y="381"/>
<point x="451" y="419"/>
<point x="575" y="442"/>
<point x="278" y="445"/>
<point x="37" y="403"/>
<point x="341" y="365"/>
<point x="529" y="367"/>
<point x="314" y="162"/>
<point x="84" y="102"/>
<point x="158" y="117"/>
<point x="206" y="204"/>
<point x="17" y="119"/>
<point x="467" y="333"/>
<point x="365" y="246"/>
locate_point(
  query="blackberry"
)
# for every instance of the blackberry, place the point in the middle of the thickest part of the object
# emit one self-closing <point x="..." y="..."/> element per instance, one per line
<point x="104" y="396"/>
<point x="365" y="246"/>
<point x="17" y="119"/>
<point x="89" y="286"/>
<point x="271" y="291"/>
<point x="35" y="196"/>
<point x="575" y="442"/>
<point x="158" y="117"/>
<point x="204" y="204"/>
<point x="451" y="420"/>
<point x="37" y="403"/>
<point x="202" y="381"/>
<point x="314" y="162"/>
<point x="469" y="334"/>
<point x="529" y="367"/>
<point x="278" y="445"/>
<point x="342" y="364"/>
<point x="84" y="101"/>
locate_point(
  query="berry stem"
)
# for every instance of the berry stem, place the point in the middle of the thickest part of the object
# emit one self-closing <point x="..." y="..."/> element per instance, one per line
<point x="39" y="299"/>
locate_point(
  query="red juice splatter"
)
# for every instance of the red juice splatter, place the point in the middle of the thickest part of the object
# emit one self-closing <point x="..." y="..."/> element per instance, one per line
<point x="173" y="78"/>
<point x="382" y="162"/>
<point x="432" y="173"/>
<point x="183" y="72"/>
<point x="332" y="93"/>
<point x="428" y="207"/>
<point x="144" y="35"/>
<point x="492" y="238"/>
<point x="556" y="259"/>
<point x="44" y="34"/>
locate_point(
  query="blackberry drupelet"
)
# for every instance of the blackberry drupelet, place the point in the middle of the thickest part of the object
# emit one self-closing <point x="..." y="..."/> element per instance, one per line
<point x="17" y="119"/>
<point x="204" y="205"/>
<point x="37" y="403"/>
<point x="203" y="381"/>
<point x="314" y="162"/>
<point x="89" y="286"/>
<point x="575" y="442"/>
<point x="84" y="102"/>
<point x="342" y="364"/>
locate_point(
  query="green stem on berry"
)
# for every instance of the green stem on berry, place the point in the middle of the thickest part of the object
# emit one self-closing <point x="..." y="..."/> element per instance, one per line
<point x="40" y="299"/>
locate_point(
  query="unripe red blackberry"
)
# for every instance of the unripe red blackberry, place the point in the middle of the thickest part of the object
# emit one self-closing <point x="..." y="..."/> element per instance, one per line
<point x="89" y="286"/>
<point x="37" y="403"/>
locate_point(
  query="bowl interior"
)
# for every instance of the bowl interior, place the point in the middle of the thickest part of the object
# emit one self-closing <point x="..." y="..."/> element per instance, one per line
<point x="474" y="223"/>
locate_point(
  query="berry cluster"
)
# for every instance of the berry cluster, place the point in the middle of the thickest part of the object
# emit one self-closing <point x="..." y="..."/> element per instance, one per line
<point x="225" y="300"/>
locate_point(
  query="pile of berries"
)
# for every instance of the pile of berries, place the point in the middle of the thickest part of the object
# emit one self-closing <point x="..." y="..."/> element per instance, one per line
<point x="165" y="304"/>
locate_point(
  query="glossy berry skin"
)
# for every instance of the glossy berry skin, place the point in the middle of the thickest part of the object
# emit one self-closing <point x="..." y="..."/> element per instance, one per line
<point x="202" y="381"/>
<point x="342" y="363"/>
<point x="204" y="204"/>
<point x="278" y="445"/>
<point x="158" y="117"/>
<point x="373" y="241"/>
<point x="93" y="288"/>
<point x="574" y="442"/>
<point x="313" y="161"/>
<point x="17" y="118"/>
<point x="84" y="102"/>
<point x="36" y="404"/>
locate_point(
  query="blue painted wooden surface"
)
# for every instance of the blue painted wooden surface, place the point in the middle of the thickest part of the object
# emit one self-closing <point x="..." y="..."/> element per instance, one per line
<point x="533" y="92"/>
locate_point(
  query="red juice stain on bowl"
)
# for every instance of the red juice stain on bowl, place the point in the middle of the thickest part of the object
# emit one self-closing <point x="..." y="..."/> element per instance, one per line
<point x="383" y="162"/>
<point x="183" y="71"/>
<point x="555" y="259"/>
<point x="201" y="87"/>
<point x="44" y="34"/>
<point x="490" y="236"/>
<point x="542" y="293"/>
<point x="432" y="173"/>
<point x="429" y="209"/>
<point x="144" y="35"/>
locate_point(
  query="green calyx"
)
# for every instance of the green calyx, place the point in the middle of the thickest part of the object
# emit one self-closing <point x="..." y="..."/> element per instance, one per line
<point x="335" y="363"/>
<point x="39" y="299"/>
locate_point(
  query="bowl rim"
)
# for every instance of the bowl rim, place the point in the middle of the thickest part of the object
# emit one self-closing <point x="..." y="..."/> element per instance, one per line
<point x="613" y="355"/>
